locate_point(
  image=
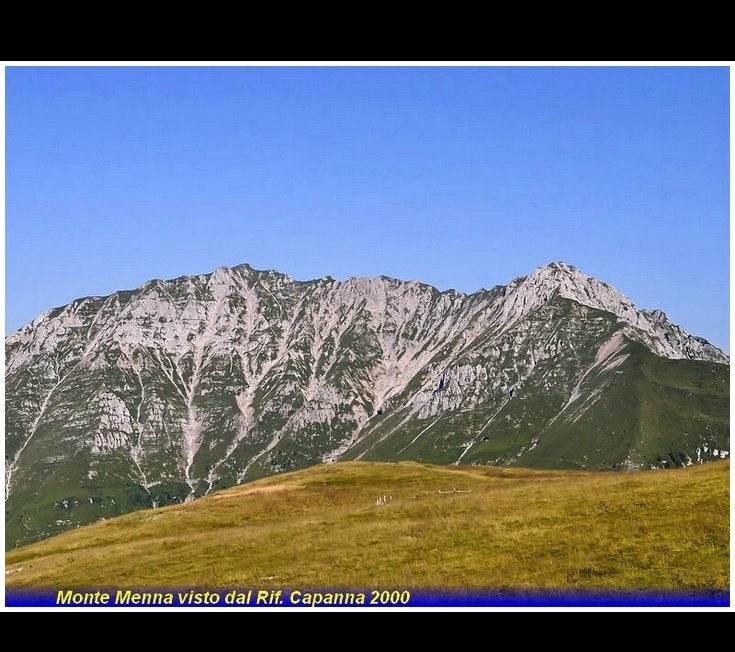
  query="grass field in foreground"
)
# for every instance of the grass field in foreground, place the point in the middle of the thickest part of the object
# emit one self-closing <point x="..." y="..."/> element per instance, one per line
<point x="408" y="525"/>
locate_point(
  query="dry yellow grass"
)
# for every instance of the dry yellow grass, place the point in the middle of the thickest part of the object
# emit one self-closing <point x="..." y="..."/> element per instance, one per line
<point x="412" y="526"/>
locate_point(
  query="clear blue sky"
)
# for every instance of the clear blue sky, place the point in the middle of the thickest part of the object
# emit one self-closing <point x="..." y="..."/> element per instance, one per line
<point x="461" y="177"/>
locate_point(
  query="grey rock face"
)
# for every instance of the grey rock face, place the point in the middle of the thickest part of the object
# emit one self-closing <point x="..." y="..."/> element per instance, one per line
<point x="182" y="387"/>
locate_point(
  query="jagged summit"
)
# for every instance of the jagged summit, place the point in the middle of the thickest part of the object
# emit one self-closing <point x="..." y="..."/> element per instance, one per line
<point x="520" y="297"/>
<point x="181" y="387"/>
<point x="571" y="283"/>
<point x="652" y="327"/>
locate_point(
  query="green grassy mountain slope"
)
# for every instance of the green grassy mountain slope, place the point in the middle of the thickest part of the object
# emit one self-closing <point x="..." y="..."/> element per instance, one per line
<point x="411" y="526"/>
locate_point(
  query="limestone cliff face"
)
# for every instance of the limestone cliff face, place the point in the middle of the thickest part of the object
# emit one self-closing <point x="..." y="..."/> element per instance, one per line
<point x="181" y="387"/>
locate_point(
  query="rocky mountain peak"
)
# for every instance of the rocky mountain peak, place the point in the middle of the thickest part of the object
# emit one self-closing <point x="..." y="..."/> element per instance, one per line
<point x="527" y="293"/>
<point x="651" y="327"/>
<point x="569" y="282"/>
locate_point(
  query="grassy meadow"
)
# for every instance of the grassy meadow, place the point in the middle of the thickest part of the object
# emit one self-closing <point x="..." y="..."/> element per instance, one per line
<point x="412" y="526"/>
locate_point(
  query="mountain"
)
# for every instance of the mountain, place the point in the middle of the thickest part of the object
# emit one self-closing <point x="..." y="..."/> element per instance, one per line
<point x="183" y="387"/>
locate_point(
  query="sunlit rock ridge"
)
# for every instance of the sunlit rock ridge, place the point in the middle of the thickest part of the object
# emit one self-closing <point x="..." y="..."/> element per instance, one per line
<point x="182" y="387"/>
